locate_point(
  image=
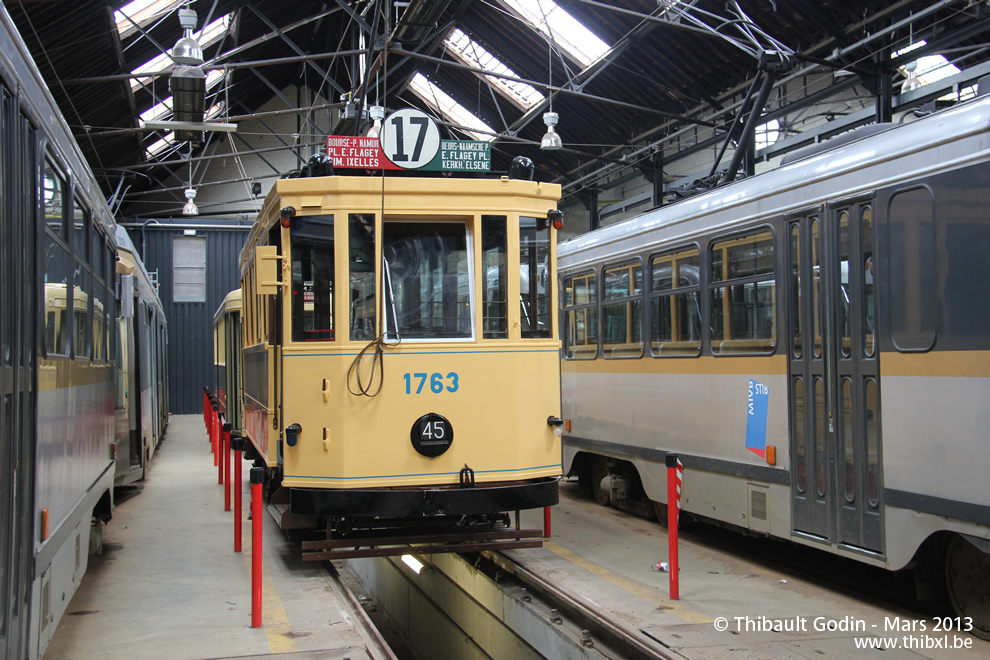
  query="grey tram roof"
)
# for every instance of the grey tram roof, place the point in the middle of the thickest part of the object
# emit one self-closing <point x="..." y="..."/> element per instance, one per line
<point x="850" y="169"/>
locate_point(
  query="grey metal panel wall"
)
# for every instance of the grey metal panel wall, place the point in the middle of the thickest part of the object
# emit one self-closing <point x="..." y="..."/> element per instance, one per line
<point x="190" y="325"/>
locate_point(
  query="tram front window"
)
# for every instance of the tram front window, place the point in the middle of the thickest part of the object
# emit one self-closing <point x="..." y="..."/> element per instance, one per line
<point x="312" y="279"/>
<point x="430" y="278"/>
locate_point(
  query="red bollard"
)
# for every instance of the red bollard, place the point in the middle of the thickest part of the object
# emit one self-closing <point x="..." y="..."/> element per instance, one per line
<point x="257" y="474"/>
<point x="546" y="522"/>
<point x="673" y="511"/>
<point x="237" y="444"/>
<point x="217" y="430"/>
<point x="226" y="467"/>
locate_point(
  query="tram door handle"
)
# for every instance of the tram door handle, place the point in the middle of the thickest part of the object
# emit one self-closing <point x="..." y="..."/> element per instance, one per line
<point x="326" y="390"/>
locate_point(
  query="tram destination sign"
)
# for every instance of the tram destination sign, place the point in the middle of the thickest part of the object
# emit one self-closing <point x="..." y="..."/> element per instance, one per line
<point x="409" y="140"/>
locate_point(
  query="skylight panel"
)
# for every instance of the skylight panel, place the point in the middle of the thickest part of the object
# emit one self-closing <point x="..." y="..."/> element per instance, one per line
<point x="206" y="37"/>
<point x="562" y="28"/>
<point x="472" y="53"/>
<point x="450" y="109"/>
<point x="141" y="12"/>
<point x="158" y="147"/>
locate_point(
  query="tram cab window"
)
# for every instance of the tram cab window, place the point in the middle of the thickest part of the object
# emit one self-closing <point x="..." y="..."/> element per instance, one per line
<point x="581" y="316"/>
<point x="675" y="310"/>
<point x="534" y="284"/>
<point x="494" y="255"/>
<point x="743" y="295"/>
<point x="312" y="278"/>
<point x="430" y="274"/>
<point x="361" y="270"/>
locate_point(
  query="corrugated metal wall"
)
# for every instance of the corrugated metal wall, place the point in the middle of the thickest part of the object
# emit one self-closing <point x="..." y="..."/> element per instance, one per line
<point x="190" y="325"/>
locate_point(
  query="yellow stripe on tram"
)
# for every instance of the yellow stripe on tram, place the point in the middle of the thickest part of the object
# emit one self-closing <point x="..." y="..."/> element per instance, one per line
<point x="632" y="586"/>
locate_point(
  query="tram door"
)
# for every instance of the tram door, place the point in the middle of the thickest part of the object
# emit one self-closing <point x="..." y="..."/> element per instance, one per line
<point x="834" y="377"/>
<point x="19" y="299"/>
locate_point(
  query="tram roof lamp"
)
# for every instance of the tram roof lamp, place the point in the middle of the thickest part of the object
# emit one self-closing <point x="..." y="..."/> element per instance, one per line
<point x="190" y="208"/>
<point x="551" y="140"/>
<point x="286" y="216"/>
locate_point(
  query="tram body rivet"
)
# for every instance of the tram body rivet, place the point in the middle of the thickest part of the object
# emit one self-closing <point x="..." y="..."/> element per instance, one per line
<point x="586" y="638"/>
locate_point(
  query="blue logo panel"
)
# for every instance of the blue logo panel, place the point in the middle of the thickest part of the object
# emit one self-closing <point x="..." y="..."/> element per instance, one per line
<point x="756" y="418"/>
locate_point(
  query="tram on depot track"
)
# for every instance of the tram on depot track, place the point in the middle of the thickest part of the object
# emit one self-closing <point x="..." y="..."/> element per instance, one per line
<point x="67" y="417"/>
<point x="227" y="359"/>
<point x="400" y="352"/>
<point x="812" y="343"/>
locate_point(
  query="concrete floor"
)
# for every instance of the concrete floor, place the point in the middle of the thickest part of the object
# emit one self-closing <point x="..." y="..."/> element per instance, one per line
<point x="168" y="584"/>
<point x="604" y="555"/>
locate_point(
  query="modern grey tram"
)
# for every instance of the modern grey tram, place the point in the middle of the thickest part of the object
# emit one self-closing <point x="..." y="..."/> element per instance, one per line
<point x="813" y="344"/>
<point x="142" y="383"/>
<point x="58" y="353"/>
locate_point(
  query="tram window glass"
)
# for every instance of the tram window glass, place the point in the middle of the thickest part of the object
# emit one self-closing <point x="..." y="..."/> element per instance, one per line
<point x="580" y="316"/>
<point x="494" y="267"/>
<point x="869" y="324"/>
<point x="911" y="267"/>
<point x="312" y="279"/>
<point x="797" y="311"/>
<point x="430" y="275"/>
<point x="361" y="266"/>
<point x="872" y="446"/>
<point x="56" y="297"/>
<point x="622" y="307"/>
<point x="743" y="295"/>
<point x="81" y="228"/>
<point x="534" y="280"/>
<point x="816" y="284"/>
<point x="675" y="310"/>
<point x="96" y="252"/>
<point x="843" y="311"/>
<point x="53" y="194"/>
<point x="99" y="323"/>
<point x="81" y="301"/>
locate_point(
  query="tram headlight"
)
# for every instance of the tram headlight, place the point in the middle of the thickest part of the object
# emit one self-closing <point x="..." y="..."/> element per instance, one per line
<point x="557" y="424"/>
<point x="556" y="218"/>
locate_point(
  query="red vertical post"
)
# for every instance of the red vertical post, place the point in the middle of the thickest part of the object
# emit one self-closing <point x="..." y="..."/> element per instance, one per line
<point x="257" y="474"/>
<point x="237" y="444"/>
<point x="672" y="515"/>
<point x="225" y="466"/>
<point x="216" y="434"/>
<point x="546" y="522"/>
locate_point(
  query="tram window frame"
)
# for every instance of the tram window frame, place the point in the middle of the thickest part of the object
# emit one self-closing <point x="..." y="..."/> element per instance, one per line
<point x="312" y="246"/>
<point x="679" y="347"/>
<point x="633" y="312"/>
<point x="755" y="278"/>
<point x="57" y="200"/>
<point x="362" y="300"/>
<point x="55" y="321"/>
<point x="913" y="310"/>
<point x="589" y="307"/>
<point x="495" y="274"/>
<point x="408" y="301"/>
<point x="535" y="239"/>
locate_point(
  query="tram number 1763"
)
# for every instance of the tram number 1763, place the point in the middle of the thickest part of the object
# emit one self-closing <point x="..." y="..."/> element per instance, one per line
<point x="438" y="382"/>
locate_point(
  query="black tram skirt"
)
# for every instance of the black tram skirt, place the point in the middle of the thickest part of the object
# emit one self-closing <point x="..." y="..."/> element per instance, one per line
<point x="409" y="503"/>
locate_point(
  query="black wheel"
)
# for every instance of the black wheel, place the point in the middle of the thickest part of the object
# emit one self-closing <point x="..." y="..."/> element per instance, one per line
<point x="661" y="510"/>
<point x="967" y="580"/>
<point x="599" y="470"/>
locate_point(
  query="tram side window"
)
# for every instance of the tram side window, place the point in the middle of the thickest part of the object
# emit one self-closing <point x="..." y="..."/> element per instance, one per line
<point x="534" y="269"/>
<point x="312" y="278"/>
<point x="622" y="310"/>
<point x="743" y="295"/>
<point x="912" y="270"/>
<point x="580" y="316"/>
<point x="81" y="301"/>
<point x="494" y="266"/>
<point x="56" y="297"/>
<point x="361" y="266"/>
<point x="53" y="194"/>
<point x="430" y="275"/>
<point x="675" y="308"/>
